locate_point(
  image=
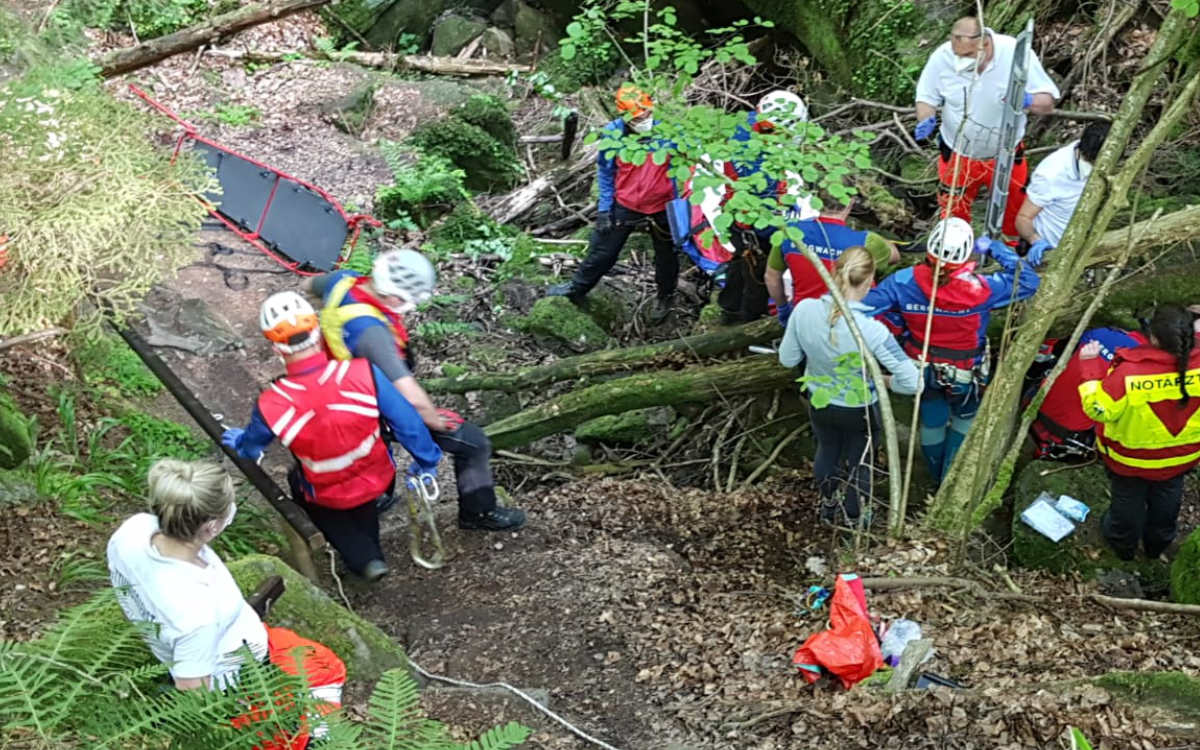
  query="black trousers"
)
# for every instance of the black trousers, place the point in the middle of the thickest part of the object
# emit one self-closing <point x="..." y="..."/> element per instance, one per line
<point x="842" y="437"/>
<point x="1143" y="510"/>
<point x="606" y="245"/>
<point x="353" y="532"/>
<point x="472" y="452"/>
<point x="744" y="297"/>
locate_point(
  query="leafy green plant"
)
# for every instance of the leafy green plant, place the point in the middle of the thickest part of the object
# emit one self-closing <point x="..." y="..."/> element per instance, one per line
<point x="328" y="47"/>
<point x="1190" y="8"/>
<point x="90" y="680"/>
<point x="425" y="186"/>
<point x="253" y="531"/>
<point x="847" y="383"/>
<point x="148" y="18"/>
<point x="230" y="114"/>
<point x="491" y="114"/>
<point x="76" y="567"/>
<point x="486" y="162"/>
<point x="106" y="363"/>
<point x="1078" y="741"/>
<point x="434" y="332"/>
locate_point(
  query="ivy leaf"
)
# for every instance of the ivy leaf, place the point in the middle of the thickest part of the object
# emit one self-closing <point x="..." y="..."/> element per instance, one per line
<point x="567" y="51"/>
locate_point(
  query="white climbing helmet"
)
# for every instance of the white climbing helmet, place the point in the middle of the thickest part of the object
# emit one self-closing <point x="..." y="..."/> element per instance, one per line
<point x="405" y="274"/>
<point x="289" y="322"/>
<point x="951" y="241"/>
<point x="783" y="108"/>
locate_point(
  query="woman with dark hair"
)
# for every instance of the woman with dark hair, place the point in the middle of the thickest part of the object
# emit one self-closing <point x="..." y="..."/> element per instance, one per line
<point x="1147" y="405"/>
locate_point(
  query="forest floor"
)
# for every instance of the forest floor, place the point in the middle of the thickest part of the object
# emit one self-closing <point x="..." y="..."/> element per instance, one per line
<point x="654" y="616"/>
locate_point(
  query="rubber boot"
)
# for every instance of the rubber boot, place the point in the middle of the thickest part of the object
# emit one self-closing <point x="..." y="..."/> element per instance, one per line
<point x="954" y="441"/>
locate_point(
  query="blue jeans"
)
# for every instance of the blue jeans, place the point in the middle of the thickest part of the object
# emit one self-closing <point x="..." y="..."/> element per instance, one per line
<point x="946" y="415"/>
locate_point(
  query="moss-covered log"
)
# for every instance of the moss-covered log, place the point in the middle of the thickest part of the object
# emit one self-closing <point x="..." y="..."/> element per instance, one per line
<point x="684" y="350"/>
<point x="1177" y="226"/>
<point x="658" y="388"/>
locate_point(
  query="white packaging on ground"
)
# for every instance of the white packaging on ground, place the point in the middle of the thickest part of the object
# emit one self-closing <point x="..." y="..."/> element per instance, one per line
<point x="1045" y="520"/>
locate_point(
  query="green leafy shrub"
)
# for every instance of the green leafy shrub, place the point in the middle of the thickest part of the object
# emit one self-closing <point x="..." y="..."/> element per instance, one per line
<point x="487" y="163"/>
<point x="107" y="364"/>
<point x="149" y="18"/>
<point x="491" y="114"/>
<point x="588" y="55"/>
<point x="434" y="332"/>
<point x="464" y="224"/>
<point x="424" y="187"/>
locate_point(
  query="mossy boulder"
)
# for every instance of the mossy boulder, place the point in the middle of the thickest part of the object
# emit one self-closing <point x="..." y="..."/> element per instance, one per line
<point x="16" y="442"/>
<point x="453" y="32"/>
<point x="609" y="309"/>
<point x="1084" y="550"/>
<point x="630" y="428"/>
<point x="533" y="29"/>
<point x="367" y="650"/>
<point x="1185" y="571"/>
<point x="558" y="319"/>
<point x="488" y="163"/>
<point x="1175" y="691"/>
<point x="1172" y="283"/>
<point x="490" y="113"/>
<point x="16" y="490"/>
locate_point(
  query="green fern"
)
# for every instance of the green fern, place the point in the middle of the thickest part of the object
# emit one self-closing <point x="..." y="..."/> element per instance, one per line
<point x="91" y="681"/>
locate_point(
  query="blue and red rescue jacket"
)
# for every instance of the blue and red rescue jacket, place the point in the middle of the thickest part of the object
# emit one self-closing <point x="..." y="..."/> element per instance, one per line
<point x="328" y="414"/>
<point x="645" y="189"/>
<point x="828" y="238"/>
<point x="1061" y="411"/>
<point x="740" y="169"/>
<point x="961" y="313"/>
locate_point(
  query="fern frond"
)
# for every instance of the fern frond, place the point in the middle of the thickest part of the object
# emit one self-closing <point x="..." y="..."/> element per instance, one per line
<point x="501" y="738"/>
<point x="395" y="720"/>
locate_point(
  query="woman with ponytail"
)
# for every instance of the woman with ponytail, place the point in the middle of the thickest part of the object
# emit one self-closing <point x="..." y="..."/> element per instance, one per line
<point x="844" y="406"/>
<point x="1147" y="404"/>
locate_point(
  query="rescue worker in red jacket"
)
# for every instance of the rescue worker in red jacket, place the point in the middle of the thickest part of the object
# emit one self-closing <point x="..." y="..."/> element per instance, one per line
<point x="330" y="415"/>
<point x="828" y="236"/>
<point x="958" y="347"/>
<point x="779" y="114"/>
<point x="631" y="197"/>
<point x="363" y="316"/>
<point x="1147" y="406"/>
<point x="1061" y="430"/>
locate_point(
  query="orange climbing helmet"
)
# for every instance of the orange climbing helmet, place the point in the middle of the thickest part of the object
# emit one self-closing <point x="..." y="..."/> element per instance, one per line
<point x="289" y="322"/>
<point x="633" y="100"/>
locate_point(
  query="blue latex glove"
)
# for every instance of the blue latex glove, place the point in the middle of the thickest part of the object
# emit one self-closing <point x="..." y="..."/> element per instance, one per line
<point x="415" y="470"/>
<point x="1028" y="101"/>
<point x="925" y="128"/>
<point x="231" y="439"/>
<point x="783" y="312"/>
<point x="1004" y="255"/>
<point x="1037" y="252"/>
<point x="983" y="245"/>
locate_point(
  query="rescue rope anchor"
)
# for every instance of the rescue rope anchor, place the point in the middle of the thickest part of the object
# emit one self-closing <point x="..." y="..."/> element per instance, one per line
<point x="425" y="541"/>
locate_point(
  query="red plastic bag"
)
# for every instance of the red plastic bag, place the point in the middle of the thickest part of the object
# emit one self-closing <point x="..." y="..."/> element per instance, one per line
<point x="849" y="649"/>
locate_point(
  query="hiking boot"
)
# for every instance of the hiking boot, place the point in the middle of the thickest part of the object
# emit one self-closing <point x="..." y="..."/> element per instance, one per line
<point x="267" y="593"/>
<point x="568" y="289"/>
<point x="374" y="570"/>
<point x="662" y="308"/>
<point x="496" y="519"/>
<point x="828" y="513"/>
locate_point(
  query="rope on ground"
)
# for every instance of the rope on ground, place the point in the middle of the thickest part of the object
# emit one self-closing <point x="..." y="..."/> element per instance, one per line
<point x="520" y="694"/>
<point x="463" y="683"/>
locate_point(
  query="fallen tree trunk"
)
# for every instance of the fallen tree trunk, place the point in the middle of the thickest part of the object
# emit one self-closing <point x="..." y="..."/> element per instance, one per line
<point x="680" y="350"/>
<point x="657" y="388"/>
<point x="1177" y="226"/>
<point x="151" y="51"/>
<point x="446" y="66"/>
<point x="516" y="203"/>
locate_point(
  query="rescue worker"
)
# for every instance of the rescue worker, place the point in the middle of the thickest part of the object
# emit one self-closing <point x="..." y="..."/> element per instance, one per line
<point x="966" y="79"/>
<point x="632" y="197"/>
<point x="363" y="317"/>
<point x="1054" y="191"/>
<point x="958" y="346"/>
<point x="1147" y="406"/>
<point x="744" y="296"/>
<point x="819" y="336"/>
<point x="1061" y="429"/>
<point x="329" y="414"/>
<point x="193" y="617"/>
<point x="828" y="236"/>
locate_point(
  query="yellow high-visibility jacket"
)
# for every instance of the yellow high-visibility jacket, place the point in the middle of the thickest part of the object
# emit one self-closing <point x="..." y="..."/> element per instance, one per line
<point x="1145" y="428"/>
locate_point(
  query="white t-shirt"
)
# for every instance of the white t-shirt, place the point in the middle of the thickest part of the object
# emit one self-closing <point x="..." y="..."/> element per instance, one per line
<point x="1056" y="186"/>
<point x="943" y="87"/>
<point x="199" y="616"/>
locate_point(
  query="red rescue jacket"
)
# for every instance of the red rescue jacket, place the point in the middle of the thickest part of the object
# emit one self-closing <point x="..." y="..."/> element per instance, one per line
<point x="326" y="413"/>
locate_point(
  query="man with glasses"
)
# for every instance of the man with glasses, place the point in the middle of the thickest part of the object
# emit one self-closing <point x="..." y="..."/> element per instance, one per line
<point x="966" y="79"/>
